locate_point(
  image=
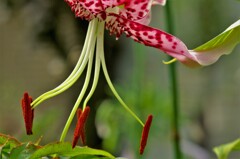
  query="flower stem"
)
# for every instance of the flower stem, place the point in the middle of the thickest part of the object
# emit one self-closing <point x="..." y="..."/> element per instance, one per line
<point x="174" y="89"/>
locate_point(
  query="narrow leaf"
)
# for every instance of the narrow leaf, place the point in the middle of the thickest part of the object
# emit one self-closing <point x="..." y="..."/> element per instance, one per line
<point x="15" y="153"/>
<point x="8" y="140"/>
<point x="4" y="151"/>
<point x="65" y="149"/>
<point x="23" y="151"/>
<point x="223" y="151"/>
<point x="88" y="157"/>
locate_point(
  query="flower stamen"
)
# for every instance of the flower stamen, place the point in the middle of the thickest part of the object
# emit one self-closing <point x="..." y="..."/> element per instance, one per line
<point x="28" y="112"/>
<point x="100" y="51"/>
<point x="78" y="70"/>
<point x="80" y="126"/>
<point x="145" y="132"/>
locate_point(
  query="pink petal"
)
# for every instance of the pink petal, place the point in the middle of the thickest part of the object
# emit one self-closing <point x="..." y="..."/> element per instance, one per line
<point x="156" y="38"/>
<point x="79" y="10"/>
<point x="112" y="3"/>
<point x="93" y="6"/>
<point x="136" y="9"/>
<point x="145" y="20"/>
<point x="133" y="9"/>
<point x="159" y="2"/>
<point x="114" y="24"/>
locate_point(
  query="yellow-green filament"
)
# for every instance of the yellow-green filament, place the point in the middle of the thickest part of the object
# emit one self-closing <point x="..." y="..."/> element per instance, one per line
<point x="169" y="62"/>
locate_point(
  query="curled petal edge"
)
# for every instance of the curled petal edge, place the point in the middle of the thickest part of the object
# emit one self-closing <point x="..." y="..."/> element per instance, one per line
<point x="223" y="44"/>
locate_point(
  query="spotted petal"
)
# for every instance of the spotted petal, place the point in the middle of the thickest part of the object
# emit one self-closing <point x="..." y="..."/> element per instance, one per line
<point x="80" y="11"/>
<point x="137" y="10"/>
<point x="131" y="9"/>
<point x="147" y="18"/>
<point x="156" y="38"/>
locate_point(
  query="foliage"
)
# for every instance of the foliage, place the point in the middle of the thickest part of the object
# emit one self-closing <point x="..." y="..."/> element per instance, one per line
<point x="224" y="150"/>
<point x="229" y="38"/>
<point x="11" y="148"/>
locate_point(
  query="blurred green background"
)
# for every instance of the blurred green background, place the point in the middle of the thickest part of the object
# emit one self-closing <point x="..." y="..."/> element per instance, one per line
<point x="41" y="40"/>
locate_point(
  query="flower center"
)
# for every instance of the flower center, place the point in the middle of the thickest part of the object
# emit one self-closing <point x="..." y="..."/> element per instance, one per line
<point x="114" y="10"/>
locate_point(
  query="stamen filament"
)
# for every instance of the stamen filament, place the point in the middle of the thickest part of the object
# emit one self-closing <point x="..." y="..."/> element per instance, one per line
<point x="101" y="54"/>
<point x="85" y="85"/>
<point x="169" y="62"/>
<point x="75" y="107"/>
<point x="76" y="73"/>
<point x="97" y="64"/>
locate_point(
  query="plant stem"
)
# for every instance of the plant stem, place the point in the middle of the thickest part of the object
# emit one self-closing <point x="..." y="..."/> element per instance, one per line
<point x="174" y="88"/>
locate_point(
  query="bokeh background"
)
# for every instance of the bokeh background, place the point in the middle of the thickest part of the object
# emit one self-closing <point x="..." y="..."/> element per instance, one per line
<point x="41" y="40"/>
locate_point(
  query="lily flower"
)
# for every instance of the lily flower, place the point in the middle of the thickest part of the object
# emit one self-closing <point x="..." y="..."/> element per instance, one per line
<point x="132" y="18"/>
<point x="118" y="16"/>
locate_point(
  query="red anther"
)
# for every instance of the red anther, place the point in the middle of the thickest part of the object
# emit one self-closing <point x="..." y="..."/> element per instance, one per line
<point x="80" y="126"/>
<point x="145" y="132"/>
<point x="77" y="128"/>
<point x="28" y="112"/>
<point x="79" y="112"/>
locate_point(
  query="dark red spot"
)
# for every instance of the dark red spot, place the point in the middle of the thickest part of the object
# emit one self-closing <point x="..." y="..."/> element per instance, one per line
<point x="140" y="14"/>
<point x="103" y="15"/>
<point x="159" y="46"/>
<point x="137" y="34"/>
<point x="150" y="37"/>
<point x="98" y="4"/>
<point x="136" y="2"/>
<point x="144" y="6"/>
<point x="89" y="3"/>
<point x="169" y="38"/>
<point x="145" y="33"/>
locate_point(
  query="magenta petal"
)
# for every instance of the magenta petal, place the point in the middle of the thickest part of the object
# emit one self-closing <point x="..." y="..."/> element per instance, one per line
<point x="156" y="38"/>
<point x="94" y="6"/>
<point x="145" y="20"/>
<point x="79" y="10"/>
<point x="136" y="9"/>
<point x="132" y="9"/>
<point x="112" y="3"/>
<point x="159" y="2"/>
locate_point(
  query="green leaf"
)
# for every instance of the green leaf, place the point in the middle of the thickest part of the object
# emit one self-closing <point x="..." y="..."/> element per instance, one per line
<point x="223" y="151"/>
<point x="15" y="153"/>
<point x="230" y="36"/>
<point x="88" y="157"/>
<point x="4" y="151"/>
<point x="65" y="149"/>
<point x="23" y="151"/>
<point x="8" y="140"/>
